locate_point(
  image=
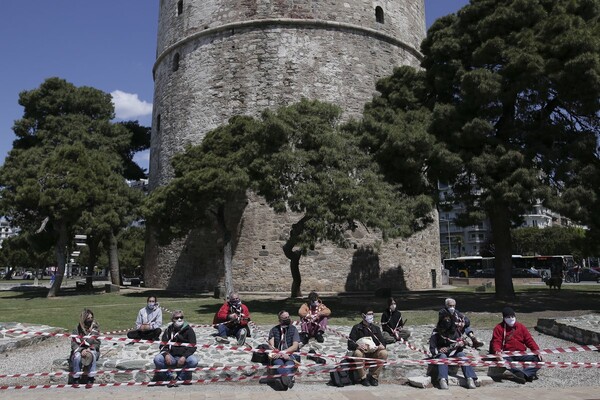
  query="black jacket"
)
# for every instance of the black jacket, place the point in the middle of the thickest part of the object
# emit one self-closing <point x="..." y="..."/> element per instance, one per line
<point x="391" y="320"/>
<point x="361" y="330"/>
<point x="184" y="335"/>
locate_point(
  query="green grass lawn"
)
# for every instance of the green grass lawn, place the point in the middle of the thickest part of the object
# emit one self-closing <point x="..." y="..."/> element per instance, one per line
<point x="116" y="311"/>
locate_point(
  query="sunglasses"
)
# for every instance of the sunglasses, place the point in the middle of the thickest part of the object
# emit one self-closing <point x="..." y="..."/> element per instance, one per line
<point x="178" y="318"/>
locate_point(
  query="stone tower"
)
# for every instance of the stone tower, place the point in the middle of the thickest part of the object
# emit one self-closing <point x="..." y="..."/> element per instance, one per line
<point x="219" y="58"/>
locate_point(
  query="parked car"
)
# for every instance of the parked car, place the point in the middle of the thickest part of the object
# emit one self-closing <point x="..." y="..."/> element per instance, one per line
<point x="585" y="274"/>
<point x="27" y="275"/>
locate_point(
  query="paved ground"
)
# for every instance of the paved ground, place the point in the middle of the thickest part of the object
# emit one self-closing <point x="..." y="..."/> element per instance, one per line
<point x="302" y="392"/>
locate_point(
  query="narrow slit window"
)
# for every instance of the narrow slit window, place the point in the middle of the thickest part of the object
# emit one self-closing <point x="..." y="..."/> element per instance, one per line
<point x="180" y="7"/>
<point x="379" y="15"/>
<point x="176" y="58"/>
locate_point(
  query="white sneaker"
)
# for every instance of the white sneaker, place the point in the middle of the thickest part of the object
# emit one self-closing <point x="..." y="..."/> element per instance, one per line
<point x="221" y="339"/>
<point x="242" y="338"/>
<point x="470" y="383"/>
<point x="443" y="384"/>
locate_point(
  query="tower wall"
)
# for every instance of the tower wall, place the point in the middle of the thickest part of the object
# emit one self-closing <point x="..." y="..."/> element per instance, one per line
<point x="220" y="58"/>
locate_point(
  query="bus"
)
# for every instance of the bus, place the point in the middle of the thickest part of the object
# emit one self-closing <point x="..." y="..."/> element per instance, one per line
<point x="467" y="266"/>
<point x="523" y="266"/>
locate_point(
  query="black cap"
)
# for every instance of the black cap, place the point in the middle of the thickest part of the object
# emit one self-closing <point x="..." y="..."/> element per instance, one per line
<point x="508" y="312"/>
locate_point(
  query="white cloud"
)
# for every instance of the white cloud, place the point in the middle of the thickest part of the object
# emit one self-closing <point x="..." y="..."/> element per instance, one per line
<point x="128" y="105"/>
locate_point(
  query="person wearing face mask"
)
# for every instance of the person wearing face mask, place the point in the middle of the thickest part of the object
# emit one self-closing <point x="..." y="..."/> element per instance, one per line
<point x="173" y="355"/>
<point x="392" y="324"/>
<point x="232" y="320"/>
<point x="149" y="321"/>
<point x="85" y="349"/>
<point x="285" y="338"/>
<point x="511" y="335"/>
<point x="366" y="329"/>
<point x="462" y="322"/>
<point x="313" y="318"/>
<point x="446" y="341"/>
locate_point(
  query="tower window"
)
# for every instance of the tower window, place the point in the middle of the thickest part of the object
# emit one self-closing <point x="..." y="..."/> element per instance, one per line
<point x="158" y="123"/>
<point x="176" y="62"/>
<point x="379" y="15"/>
<point x="180" y="7"/>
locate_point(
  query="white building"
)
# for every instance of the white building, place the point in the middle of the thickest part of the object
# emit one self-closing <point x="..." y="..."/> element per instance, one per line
<point x="6" y="230"/>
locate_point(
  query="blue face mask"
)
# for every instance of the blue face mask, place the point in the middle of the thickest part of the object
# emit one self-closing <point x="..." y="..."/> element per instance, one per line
<point x="151" y="305"/>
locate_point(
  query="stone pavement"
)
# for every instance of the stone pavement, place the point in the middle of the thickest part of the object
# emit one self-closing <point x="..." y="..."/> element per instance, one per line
<point x="302" y="392"/>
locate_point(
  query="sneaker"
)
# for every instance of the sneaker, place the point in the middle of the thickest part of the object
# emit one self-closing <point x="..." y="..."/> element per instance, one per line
<point x="304" y="337"/>
<point x="365" y="381"/>
<point x="443" y="384"/>
<point x="471" y="383"/>
<point x="319" y="337"/>
<point x="221" y="339"/>
<point x="242" y="338"/>
<point x="171" y="385"/>
<point x="373" y="381"/>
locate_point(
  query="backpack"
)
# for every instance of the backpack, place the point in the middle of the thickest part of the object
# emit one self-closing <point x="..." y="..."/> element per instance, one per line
<point x="343" y="378"/>
<point x="261" y="357"/>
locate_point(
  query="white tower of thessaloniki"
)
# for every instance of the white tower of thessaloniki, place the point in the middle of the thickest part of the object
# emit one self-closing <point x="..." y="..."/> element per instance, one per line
<point x="220" y="58"/>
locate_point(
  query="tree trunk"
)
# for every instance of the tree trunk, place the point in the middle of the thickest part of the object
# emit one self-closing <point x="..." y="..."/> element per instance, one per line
<point x="113" y="259"/>
<point x="60" y="250"/>
<point x="227" y="251"/>
<point x="294" y="256"/>
<point x="500" y="223"/>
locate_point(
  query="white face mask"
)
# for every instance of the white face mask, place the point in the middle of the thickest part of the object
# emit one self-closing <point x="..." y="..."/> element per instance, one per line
<point x="393" y="307"/>
<point x="451" y="310"/>
<point x="369" y="319"/>
<point x="510" y="321"/>
<point x="151" y="305"/>
<point x="178" y="323"/>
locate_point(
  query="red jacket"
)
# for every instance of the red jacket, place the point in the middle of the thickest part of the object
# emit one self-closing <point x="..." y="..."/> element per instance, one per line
<point x="515" y="338"/>
<point x="224" y="311"/>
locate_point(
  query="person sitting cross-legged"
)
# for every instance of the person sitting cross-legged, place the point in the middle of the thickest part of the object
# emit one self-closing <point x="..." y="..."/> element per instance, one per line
<point x="232" y="320"/>
<point x="510" y="335"/>
<point x="149" y="321"/>
<point x="173" y="355"/>
<point x="393" y="324"/>
<point x="313" y="318"/>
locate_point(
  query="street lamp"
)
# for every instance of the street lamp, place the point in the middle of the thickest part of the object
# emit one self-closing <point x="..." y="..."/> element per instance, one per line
<point x="447" y="221"/>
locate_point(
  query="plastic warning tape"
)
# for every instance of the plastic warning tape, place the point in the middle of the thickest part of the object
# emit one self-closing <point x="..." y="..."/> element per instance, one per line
<point x="406" y="343"/>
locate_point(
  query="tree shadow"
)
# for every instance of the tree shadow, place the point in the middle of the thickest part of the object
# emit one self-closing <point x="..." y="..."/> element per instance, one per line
<point x="365" y="274"/>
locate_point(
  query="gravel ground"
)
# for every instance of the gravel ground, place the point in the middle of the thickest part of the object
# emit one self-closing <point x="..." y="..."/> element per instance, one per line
<point x="39" y="357"/>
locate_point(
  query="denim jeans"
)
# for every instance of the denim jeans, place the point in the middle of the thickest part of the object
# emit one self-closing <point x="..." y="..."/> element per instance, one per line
<point x="528" y="371"/>
<point x="161" y="363"/>
<point x="224" y="331"/>
<point x="284" y="366"/>
<point x="76" y="364"/>
<point x="468" y="371"/>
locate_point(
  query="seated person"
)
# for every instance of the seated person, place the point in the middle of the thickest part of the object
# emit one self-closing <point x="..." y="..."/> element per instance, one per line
<point x="510" y="335"/>
<point x="149" y="321"/>
<point x="232" y="320"/>
<point x="462" y="322"/>
<point x="284" y="337"/>
<point x="313" y="318"/>
<point x="366" y="329"/>
<point x="392" y="324"/>
<point x="446" y="341"/>
<point x="85" y="350"/>
<point x="175" y="356"/>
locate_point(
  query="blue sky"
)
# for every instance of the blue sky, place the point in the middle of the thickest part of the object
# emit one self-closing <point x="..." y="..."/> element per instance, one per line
<point x="106" y="44"/>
